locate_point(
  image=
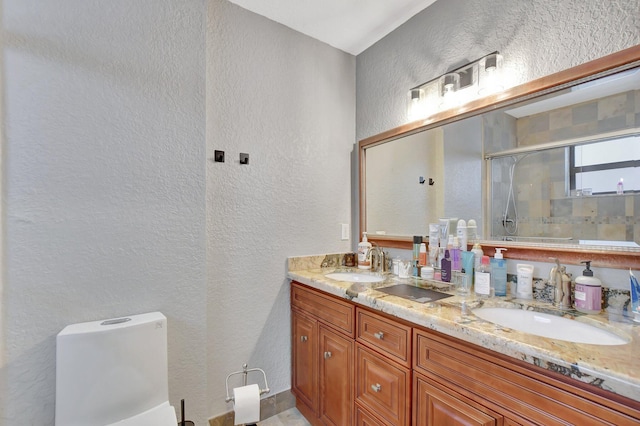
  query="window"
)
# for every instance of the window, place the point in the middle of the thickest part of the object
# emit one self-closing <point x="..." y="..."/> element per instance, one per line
<point x="601" y="165"/>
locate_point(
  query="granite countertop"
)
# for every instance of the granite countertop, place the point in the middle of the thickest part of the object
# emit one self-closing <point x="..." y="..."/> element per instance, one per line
<point x="613" y="368"/>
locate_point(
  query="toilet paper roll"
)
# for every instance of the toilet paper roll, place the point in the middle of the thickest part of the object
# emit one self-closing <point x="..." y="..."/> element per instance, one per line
<point x="246" y="404"/>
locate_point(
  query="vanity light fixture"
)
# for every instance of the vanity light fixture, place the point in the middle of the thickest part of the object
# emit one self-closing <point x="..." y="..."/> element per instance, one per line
<point x="449" y="86"/>
<point x="489" y="74"/>
<point x="461" y="85"/>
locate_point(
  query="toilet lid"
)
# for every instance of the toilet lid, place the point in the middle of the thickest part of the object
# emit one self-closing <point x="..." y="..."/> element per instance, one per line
<point x="160" y="415"/>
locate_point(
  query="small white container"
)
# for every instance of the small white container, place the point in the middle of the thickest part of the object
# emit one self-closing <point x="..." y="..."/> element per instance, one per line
<point x="427" y="272"/>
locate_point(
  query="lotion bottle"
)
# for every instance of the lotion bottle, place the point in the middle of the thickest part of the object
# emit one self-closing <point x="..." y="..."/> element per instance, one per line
<point x="364" y="253"/>
<point x="588" y="294"/>
<point x="499" y="273"/>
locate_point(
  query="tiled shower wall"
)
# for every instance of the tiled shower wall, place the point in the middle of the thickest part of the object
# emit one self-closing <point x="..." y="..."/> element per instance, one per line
<point x="543" y="206"/>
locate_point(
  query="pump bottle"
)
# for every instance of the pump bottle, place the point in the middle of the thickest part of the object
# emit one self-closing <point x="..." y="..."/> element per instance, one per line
<point x="499" y="273"/>
<point x="588" y="293"/>
<point x="364" y="253"/>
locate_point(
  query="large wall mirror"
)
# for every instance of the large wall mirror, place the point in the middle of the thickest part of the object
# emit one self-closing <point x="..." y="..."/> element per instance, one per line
<point x="551" y="167"/>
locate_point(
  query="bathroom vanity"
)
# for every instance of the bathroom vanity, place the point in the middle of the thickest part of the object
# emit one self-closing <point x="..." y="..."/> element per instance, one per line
<point x="361" y="356"/>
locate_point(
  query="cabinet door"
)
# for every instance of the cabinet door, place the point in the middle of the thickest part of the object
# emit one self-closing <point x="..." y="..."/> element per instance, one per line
<point x="436" y="406"/>
<point x="336" y="378"/>
<point x="383" y="387"/>
<point x="305" y="359"/>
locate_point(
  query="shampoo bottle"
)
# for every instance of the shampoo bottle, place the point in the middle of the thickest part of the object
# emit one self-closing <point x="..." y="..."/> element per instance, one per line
<point x="588" y="294"/>
<point x="499" y="273"/>
<point x="483" y="279"/>
<point x="364" y="253"/>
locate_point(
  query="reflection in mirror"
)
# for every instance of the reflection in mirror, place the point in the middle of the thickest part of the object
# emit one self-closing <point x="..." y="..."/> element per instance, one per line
<point x="571" y="166"/>
<point x="420" y="178"/>
<point x="557" y="194"/>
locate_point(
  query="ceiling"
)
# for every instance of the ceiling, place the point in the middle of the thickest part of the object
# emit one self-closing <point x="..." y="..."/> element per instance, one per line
<point x="349" y="25"/>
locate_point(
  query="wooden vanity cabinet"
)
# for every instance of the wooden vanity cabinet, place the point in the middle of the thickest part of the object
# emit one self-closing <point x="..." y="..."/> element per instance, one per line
<point x="383" y="368"/>
<point x="322" y="356"/>
<point x="492" y="389"/>
<point x="354" y="365"/>
<point x="435" y="405"/>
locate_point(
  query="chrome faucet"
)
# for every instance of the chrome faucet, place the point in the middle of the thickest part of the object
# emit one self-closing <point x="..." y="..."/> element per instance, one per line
<point x="376" y="253"/>
<point x="561" y="286"/>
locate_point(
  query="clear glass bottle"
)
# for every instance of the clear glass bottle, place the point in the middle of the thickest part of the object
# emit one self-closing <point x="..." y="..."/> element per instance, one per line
<point x="483" y="279"/>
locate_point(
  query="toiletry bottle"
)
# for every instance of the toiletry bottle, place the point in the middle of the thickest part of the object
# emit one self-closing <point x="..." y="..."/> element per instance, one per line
<point x="483" y="279"/>
<point x="524" y="288"/>
<point x="422" y="257"/>
<point x="477" y="255"/>
<point x="364" y="253"/>
<point x="463" y="287"/>
<point x="499" y="273"/>
<point x="462" y="234"/>
<point x="454" y="251"/>
<point x="446" y="267"/>
<point x="467" y="265"/>
<point x="472" y="231"/>
<point x="417" y="241"/>
<point x="588" y="294"/>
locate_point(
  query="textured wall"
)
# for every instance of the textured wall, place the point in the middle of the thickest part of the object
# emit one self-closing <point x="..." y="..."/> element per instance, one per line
<point x="288" y="101"/>
<point x="104" y="185"/>
<point x="536" y="37"/>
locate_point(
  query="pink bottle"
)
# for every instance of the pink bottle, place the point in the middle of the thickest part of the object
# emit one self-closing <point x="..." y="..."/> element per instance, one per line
<point x="588" y="295"/>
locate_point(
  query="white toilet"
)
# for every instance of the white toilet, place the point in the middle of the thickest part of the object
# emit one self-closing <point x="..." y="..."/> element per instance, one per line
<point x="114" y="372"/>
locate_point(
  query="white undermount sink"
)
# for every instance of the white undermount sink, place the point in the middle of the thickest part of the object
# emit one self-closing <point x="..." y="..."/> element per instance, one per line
<point x="547" y="325"/>
<point x="354" y="277"/>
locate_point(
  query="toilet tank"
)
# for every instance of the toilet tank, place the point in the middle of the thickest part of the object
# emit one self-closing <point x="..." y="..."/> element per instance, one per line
<point x="110" y="370"/>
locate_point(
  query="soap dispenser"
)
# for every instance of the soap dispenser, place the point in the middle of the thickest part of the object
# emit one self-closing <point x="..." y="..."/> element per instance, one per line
<point x="364" y="253"/>
<point x="499" y="273"/>
<point x="588" y="294"/>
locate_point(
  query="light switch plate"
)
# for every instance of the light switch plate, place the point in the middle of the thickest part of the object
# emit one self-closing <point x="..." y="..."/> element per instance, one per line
<point x="345" y="232"/>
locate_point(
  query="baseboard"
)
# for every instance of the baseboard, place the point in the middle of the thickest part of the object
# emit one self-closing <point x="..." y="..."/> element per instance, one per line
<point x="269" y="407"/>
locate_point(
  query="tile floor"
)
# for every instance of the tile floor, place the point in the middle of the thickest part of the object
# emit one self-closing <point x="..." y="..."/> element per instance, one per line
<point x="290" y="417"/>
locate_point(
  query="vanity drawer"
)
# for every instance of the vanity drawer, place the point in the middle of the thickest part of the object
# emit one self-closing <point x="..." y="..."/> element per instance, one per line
<point x="389" y="337"/>
<point x="383" y="387"/>
<point x="330" y="310"/>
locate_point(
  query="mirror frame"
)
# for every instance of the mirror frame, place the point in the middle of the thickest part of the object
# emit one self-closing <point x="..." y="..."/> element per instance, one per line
<point x="614" y="257"/>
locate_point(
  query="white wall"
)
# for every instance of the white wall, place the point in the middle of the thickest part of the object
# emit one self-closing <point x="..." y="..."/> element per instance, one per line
<point x="288" y="101"/>
<point x="104" y="185"/>
<point x="112" y="205"/>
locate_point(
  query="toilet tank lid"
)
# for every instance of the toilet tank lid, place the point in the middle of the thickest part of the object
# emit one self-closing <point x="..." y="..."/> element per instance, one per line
<point x="111" y="324"/>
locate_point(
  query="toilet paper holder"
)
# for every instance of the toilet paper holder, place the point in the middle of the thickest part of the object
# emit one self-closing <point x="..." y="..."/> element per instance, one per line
<point x="245" y="371"/>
